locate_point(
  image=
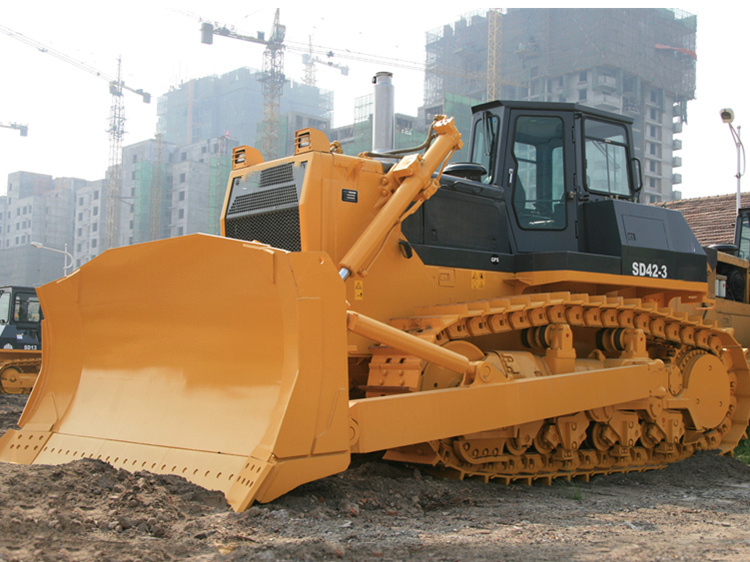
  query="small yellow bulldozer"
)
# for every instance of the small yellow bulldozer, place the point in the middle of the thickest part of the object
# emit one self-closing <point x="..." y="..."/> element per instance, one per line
<point x="516" y="318"/>
<point x="20" y="339"/>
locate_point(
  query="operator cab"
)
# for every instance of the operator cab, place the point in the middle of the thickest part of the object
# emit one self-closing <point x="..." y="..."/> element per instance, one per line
<point x="540" y="172"/>
<point x="551" y="186"/>
<point x="542" y="152"/>
<point x="20" y="318"/>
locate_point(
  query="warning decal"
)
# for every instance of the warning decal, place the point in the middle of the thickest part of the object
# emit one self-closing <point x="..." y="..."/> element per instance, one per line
<point x="477" y="280"/>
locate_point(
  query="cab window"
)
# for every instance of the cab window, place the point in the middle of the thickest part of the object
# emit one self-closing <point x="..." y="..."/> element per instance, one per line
<point x="539" y="184"/>
<point x="484" y="144"/>
<point x="606" y="158"/>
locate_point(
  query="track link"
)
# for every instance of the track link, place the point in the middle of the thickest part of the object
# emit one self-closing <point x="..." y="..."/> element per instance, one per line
<point x="629" y="437"/>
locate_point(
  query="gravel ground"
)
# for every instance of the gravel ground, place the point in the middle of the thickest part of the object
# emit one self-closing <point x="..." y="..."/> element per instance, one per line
<point x="87" y="510"/>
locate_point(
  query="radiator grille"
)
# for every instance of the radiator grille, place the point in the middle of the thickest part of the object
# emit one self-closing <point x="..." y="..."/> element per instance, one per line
<point x="280" y="196"/>
<point x="277" y="175"/>
<point x="279" y="229"/>
<point x="264" y="206"/>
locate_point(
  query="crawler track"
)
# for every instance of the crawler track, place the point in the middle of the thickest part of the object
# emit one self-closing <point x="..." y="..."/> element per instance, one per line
<point x="630" y="437"/>
<point x="17" y="376"/>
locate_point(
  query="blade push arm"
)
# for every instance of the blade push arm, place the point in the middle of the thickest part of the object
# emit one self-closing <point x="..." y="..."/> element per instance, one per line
<point x="414" y="181"/>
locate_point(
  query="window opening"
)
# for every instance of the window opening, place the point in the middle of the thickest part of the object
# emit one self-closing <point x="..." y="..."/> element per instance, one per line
<point x="606" y="158"/>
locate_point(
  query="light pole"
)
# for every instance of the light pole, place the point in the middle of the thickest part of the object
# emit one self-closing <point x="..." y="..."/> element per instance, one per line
<point x="65" y="252"/>
<point x="727" y="116"/>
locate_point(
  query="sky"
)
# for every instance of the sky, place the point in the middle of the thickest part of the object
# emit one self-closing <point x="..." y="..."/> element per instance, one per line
<point x="67" y="109"/>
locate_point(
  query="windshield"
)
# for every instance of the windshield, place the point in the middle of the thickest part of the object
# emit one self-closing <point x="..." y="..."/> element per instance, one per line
<point x="606" y="158"/>
<point x="26" y="308"/>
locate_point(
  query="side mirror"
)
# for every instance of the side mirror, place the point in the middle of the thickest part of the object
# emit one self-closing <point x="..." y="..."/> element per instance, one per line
<point x="466" y="170"/>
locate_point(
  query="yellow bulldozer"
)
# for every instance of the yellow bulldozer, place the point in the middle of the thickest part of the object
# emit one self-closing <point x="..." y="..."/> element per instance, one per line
<point x="516" y="318"/>
<point x="20" y="339"/>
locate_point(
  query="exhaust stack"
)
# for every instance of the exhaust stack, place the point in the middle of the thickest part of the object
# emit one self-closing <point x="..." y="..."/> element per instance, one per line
<point x="383" y="114"/>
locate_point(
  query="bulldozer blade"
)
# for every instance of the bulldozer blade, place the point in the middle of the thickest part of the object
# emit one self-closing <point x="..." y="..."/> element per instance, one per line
<point x="214" y="359"/>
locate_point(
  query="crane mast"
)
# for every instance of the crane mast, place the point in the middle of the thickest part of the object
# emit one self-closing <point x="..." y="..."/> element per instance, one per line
<point x="116" y="133"/>
<point x="273" y="86"/>
<point x="272" y="77"/>
<point x="309" y="61"/>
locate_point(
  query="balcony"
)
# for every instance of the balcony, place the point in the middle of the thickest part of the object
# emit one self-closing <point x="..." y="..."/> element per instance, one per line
<point x="676" y="144"/>
<point x="676" y="179"/>
<point x="676" y="161"/>
<point x="677" y="127"/>
<point x="604" y="82"/>
<point x="607" y="102"/>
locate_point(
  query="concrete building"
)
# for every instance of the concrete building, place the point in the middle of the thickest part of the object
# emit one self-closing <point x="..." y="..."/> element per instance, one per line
<point x="199" y="177"/>
<point x="232" y="105"/>
<point x="145" y="191"/>
<point x="90" y="205"/>
<point x="638" y="62"/>
<point x="166" y="190"/>
<point x="37" y="208"/>
<point x="171" y="185"/>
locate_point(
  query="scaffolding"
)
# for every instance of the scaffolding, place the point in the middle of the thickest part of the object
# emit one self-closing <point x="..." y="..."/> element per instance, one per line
<point x="534" y="46"/>
<point x="158" y="220"/>
<point x="638" y="62"/>
<point x="213" y="106"/>
<point x="456" y="58"/>
<point x="655" y="45"/>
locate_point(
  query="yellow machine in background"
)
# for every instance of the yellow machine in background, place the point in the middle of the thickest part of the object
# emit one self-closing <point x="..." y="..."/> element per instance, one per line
<point x="517" y="318"/>
<point x="20" y="339"/>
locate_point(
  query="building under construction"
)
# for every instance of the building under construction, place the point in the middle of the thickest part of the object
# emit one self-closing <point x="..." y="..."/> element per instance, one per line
<point x="638" y="62"/>
<point x="231" y="105"/>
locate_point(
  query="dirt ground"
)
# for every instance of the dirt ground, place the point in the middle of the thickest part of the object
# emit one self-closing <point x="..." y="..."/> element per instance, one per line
<point x="695" y="510"/>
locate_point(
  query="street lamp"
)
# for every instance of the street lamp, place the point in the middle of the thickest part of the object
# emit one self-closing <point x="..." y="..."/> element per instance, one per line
<point x="727" y="116"/>
<point x="65" y="252"/>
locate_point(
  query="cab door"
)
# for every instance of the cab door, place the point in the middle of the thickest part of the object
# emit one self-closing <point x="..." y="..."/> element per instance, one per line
<point x="538" y="180"/>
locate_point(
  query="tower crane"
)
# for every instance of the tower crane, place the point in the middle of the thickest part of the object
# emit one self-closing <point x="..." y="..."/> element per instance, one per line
<point x="273" y="66"/>
<point x="116" y="129"/>
<point x="494" y="28"/>
<point x="23" y="129"/>
<point x="272" y="76"/>
<point x="310" y="60"/>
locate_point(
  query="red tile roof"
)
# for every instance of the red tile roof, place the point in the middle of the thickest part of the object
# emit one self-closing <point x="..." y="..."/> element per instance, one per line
<point x="711" y="218"/>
